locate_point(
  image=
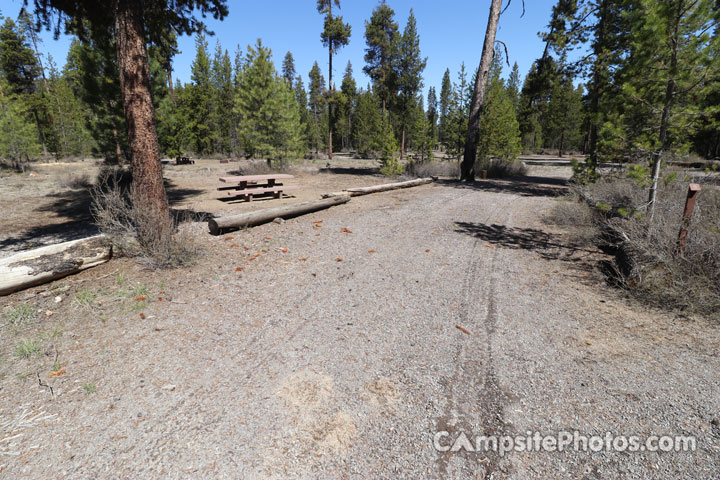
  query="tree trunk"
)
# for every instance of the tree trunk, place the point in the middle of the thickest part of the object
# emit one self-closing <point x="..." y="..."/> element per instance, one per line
<point x="667" y="108"/>
<point x="330" y="89"/>
<point x="171" y="89"/>
<point x="33" y="38"/>
<point x="138" y="107"/>
<point x="402" y="143"/>
<point x="383" y="84"/>
<point x="222" y="224"/>
<point x="562" y="145"/>
<point x="354" y="192"/>
<point x="41" y="265"/>
<point x="118" y="149"/>
<point x="597" y="89"/>
<point x="467" y="168"/>
<point x="41" y="135"/>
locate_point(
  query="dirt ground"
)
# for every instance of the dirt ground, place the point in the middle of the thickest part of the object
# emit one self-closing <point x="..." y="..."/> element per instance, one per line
<point x="51" y="202"/>
<point x="337" y="345"/>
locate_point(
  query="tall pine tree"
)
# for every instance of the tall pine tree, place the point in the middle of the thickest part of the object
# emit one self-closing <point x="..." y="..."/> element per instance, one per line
<point x="381" y="54"/>
<point x="335" y="35"/>
<point x="410" y="67"/>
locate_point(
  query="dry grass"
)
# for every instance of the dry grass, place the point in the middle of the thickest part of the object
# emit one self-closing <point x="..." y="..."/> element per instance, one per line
<point x="433" y="169"/>
<point x="451" y="168"/>
<point x="500" y="168"/>
<point x="79" y="181"/>
<point x="138" y="232"/>
<point x="572" y="213"/>
<point x="14" y="165"/>
<point x="646" y="262"/>
<point x="261" y="167"/>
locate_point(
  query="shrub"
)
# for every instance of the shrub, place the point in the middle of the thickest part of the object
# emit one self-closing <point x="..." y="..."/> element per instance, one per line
<point x="645" y="259"/>
<point x="497" y="168"/>
<point x="390" y="165"/>
<point x="75" y="182"/>
<point x="433" y="169"/>
<point x="391" y="168"/>
<point x="136" y="232"/>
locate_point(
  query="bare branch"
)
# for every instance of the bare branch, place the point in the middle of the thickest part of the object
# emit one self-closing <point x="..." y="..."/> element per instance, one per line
<point x="508" y="5"/>
<point x="40" y="382"/>
<point x="507" y="57"/>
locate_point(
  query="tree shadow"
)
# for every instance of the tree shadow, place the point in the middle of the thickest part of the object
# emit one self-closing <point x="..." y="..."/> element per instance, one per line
<point x="49" y="234"/>
<point x="74" y="208"/>
<point x="176" y="194"/>
<point x="526" y="186"/>
<point x="262" y="197"/>
<point x="363" y="171"/>
<point x="549" y="246"/>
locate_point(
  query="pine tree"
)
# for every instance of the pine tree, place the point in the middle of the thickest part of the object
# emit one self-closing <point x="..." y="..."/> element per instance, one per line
<point x="18" y="64"/>
<point x="174" y="124"/>
<point x="499" y="130"/>
<point x="561" y="125"/>
<point x="92" y="75"/>
<point x="301" y="98"/>
<point x="164" y="52"/>
<point x="222" y="83"/>
<point x="366" y="124"/>
<point x="201" y="99"/>
<point x="600" y="27"/>
<point x="288" y="69"/>
<point x="432" y="114"/>
<point x="514" y="86"/>
<point x="69" y="125"/>
<point x="467" y="167"/>
<point x="677" y="41"/>
<point x="381" y="55"/>
<point x="269" y="116"/>
<point x="20" y="68"/>
<point x="18" y="134"/>
<point x="419" y="132"/>
<point x="457" y="116"/>
<point x="238" y="67"/>
<point x="317" y="103"/>
<point x="446" y="93"/>
<point x="410" y="68"/>
<point x="346" y="108"/>
<point x="535" y="100"/>
<point x="389" y="164"/>
<point x="129" y="22"/>
<point x="334" y="36"/>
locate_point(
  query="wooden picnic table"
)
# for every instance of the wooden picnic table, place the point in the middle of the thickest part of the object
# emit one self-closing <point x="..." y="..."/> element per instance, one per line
<point x="239" y="185"/>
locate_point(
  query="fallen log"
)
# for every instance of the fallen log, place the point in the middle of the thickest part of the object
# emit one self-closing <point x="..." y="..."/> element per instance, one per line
<point x="42" y="265"/>
<point x="354" y="192"/>
<point x="218" y="225"/>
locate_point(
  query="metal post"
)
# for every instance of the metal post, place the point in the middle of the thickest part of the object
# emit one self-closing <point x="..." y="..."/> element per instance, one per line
<point x="693" y="190"/>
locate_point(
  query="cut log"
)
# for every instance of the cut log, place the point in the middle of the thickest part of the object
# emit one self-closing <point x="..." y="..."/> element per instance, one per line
<point x="354" y="192"/>
<point x="218" y="225"/>
<point x="42" y="265"/>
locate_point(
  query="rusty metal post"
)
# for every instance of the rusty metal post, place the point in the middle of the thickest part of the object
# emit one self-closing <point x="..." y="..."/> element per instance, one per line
<point x="693" y="190"/>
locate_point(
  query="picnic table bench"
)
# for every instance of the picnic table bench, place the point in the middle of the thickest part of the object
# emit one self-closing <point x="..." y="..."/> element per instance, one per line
<point x="249" y="185"/>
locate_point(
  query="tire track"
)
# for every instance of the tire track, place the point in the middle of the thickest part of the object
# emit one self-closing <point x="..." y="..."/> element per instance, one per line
<point x="475" y="399"/>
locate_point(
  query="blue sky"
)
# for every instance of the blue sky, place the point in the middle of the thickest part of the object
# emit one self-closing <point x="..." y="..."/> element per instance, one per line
<point x="451" y="31"/>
